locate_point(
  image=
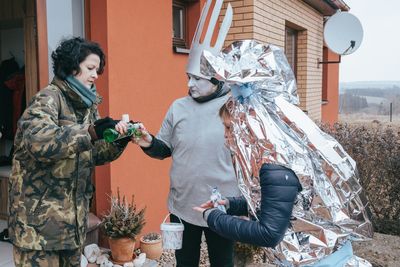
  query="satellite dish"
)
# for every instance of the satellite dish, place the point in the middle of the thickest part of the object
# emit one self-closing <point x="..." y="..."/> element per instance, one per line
<point x="343" y="33"/>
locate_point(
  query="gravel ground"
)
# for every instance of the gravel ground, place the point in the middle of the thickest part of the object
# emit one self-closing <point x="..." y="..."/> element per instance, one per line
<point x="382" y="251"/>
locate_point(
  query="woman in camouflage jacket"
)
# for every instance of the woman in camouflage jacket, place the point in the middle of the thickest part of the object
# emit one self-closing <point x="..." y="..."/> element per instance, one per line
<point x="58" y="143"/>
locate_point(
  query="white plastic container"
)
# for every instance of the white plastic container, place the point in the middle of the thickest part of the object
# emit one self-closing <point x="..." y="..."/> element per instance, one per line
<point x="172" y="234"/>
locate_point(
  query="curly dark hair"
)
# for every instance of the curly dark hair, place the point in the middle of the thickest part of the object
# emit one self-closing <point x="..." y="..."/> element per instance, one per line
<point x="71" y="52"/>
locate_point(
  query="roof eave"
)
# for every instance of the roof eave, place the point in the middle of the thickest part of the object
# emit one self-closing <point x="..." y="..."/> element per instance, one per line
<point x="328" y="7"/>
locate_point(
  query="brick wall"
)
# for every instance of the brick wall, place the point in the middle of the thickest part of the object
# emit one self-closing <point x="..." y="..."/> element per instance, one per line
<point x="265" y="21"/>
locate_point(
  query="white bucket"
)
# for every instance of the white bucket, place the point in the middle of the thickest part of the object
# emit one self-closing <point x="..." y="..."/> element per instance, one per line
<point x="172" y="234"/>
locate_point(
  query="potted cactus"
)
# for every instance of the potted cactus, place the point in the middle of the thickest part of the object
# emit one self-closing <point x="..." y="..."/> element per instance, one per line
<point x="151" y="244"/>
<point x="121" y="225"/>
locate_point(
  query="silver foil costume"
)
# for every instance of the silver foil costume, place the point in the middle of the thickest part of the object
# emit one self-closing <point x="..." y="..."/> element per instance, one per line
<point x="268" y="127"/>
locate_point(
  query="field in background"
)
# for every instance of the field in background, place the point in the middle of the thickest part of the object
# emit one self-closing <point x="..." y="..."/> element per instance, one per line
<point x="363" y="102"/>
<point x="359" y="118"/>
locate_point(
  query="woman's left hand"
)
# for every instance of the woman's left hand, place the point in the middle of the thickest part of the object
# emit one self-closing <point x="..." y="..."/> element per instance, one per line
<point x="199" y="209"/>
<point x="204" y="206"/>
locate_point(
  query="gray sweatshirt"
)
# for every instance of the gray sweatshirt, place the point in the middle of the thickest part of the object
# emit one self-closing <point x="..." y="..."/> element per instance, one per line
<point x="194" y="133"/>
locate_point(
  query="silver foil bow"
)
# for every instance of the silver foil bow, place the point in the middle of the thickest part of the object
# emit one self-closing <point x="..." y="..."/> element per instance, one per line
<point x="268" y="127"/>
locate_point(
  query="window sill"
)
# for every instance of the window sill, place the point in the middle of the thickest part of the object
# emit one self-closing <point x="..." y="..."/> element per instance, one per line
<point x="324" y="102"/>
<point x="181" y="50"/>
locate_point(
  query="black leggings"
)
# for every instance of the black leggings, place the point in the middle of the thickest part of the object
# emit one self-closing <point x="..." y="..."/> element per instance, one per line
<point x="220" y="250"/>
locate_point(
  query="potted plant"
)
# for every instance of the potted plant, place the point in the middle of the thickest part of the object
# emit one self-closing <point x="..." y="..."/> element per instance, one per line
<point x="121" y="225"/>
<point x="151" y="244"/>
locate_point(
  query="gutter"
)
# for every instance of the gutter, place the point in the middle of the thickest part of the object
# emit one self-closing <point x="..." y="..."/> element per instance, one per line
<point x="339" y="4"/>
<point x="328" y="7"/>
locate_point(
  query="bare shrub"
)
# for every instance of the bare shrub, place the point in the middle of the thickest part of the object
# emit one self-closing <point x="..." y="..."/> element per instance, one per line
<point x="376" y="149"/>
<point x="123" y="220"/>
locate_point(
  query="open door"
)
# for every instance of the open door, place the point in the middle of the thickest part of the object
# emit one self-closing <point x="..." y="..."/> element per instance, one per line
<point x="31" y="50"/>
<point x="18" y="77"/>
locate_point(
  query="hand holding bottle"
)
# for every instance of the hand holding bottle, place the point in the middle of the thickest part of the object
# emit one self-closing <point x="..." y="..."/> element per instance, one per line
<point x="143" y="139"/>
<point x="210" y="204"/>
<point x="97" y="130"/>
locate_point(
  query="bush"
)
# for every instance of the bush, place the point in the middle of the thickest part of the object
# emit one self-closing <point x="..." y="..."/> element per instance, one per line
<point x="376" y="149"/>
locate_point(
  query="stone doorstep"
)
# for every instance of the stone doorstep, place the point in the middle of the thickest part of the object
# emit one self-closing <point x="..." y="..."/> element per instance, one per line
<point x="6" y="254"/>
<point x="92" y="234"/>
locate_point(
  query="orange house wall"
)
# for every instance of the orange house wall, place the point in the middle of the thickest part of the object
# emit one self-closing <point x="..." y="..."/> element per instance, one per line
<point x="143" y="76"/>
<point x="330" y="84"/>
<point x="98" y="33"/>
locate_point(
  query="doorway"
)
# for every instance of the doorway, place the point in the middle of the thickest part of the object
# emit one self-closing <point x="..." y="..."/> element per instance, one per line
<point x="18" y="78"/>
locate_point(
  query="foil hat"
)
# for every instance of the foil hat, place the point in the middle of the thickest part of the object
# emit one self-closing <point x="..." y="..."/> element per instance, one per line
<point x="197" y="48"/>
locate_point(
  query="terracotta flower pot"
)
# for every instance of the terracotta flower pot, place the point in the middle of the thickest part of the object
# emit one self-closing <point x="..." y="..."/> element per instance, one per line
<point x="122" y="249"/>
<point x="153" y="249"/>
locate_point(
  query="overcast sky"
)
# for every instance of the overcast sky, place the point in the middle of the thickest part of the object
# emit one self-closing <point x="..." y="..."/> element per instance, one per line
<point x="378" y="57"/>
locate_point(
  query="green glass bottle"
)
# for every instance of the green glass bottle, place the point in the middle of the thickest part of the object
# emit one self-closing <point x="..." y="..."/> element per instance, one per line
<point x="111" y="135"/>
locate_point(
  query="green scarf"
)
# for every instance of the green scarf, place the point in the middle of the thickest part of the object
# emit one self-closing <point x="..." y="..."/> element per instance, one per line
<point x="88" y="96"/>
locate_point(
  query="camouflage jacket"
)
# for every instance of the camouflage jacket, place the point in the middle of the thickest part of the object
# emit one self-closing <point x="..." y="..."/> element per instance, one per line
<point x="50" y="185"/>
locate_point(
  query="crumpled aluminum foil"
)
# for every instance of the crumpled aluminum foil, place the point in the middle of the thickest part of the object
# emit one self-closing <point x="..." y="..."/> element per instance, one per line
<point x="268" y="127"/>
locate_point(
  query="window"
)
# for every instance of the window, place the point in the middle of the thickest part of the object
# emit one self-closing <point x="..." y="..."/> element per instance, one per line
<point x="179" y="35"/>
<point x="291" y="48"/>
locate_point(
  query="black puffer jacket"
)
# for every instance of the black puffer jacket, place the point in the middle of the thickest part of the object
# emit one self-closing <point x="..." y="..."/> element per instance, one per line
<point x="279" y="188"/>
